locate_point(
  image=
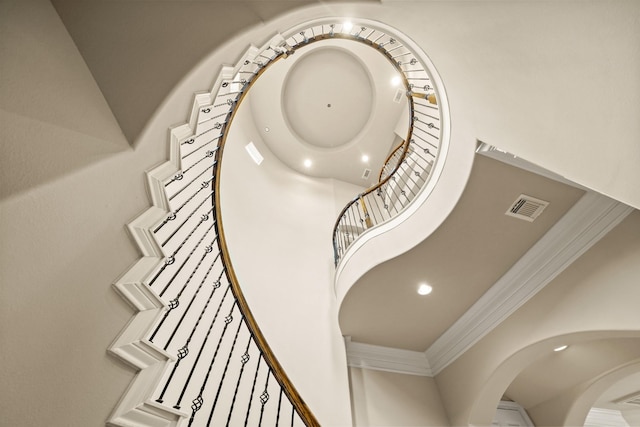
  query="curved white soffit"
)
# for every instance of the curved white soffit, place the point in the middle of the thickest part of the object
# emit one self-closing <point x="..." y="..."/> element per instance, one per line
<point x="432" y="206"/>
<point x="415" y="223"/>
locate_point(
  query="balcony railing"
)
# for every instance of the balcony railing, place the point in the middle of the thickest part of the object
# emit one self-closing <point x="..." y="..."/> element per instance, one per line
<point x="219" y="368"/>
<point x="404" y="173"/>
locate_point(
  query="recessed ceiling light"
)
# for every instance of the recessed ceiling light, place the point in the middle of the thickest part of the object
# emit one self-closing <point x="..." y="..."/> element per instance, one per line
<point x="347" y="26"/>
<point x="365" y="158"/>
<point x="395" y="81"/>
<point x="562" y="347"/>
<point x="307" y="163"/>
<point x="267" y="129"/>
<point x="424" y="289"/>
<point x="254" y="153"/>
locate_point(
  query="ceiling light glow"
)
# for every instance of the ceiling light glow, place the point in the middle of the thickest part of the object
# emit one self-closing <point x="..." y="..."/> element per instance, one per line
<point x="395" y="81"/>
<point x="267" y="129"/>
<point x="365" y="158"/>
<point x="562" y="347"/>
<point x="424" y="289"/>
<point x="347" y="26"/>
<point x="254" y="153"/>
<point x="307" y="163"/>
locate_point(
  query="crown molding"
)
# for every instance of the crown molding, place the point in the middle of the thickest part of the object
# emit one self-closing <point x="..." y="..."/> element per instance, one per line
<point x="592" y="217"/>
<point x="379" y="358"/>
<point x="500" y="155"/>
<point x="605" y="417"/>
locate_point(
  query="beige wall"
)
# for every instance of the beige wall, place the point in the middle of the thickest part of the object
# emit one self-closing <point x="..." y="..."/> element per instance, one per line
<point x="389" y="399"/>
<point x="69" y="182"/>
<point x="596" y="297"/>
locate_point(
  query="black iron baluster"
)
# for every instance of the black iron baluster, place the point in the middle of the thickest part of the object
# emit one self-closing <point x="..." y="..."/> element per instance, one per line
<point x="279" y="406"/>
<point x="253" y="388"/>
<point x="204" y="342"/>
<point x="188" y="185"/>
<point x="227" y="322"/>
<point x="216" y="285"/>
<point x="184" y="350"/>
<point x="176" y="300"/>
<point x="179" y="227"/>
<point x="264" y="398"/>
<point x="184" y="262"/>
<point x="244" y="360"/>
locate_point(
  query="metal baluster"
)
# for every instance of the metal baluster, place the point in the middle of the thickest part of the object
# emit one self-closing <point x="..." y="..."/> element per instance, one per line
<point x="204" y="342"/>
<point x="174" y="213"/>
<point x="279" y="405"/>
<point x="216" y="285"/>
<point x="192" y="181"/>
<point x="253" y="388"/>
<point x="176" y="300"/>
<point x="264" y="398"/>
<point x="184" y="350"/>
<point x="184" y="262"/>
<point x="244" y="360"/>
<point x="227" y="321"/>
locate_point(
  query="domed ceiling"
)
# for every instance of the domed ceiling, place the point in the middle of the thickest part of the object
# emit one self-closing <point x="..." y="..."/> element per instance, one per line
<point x="333" y="104"/>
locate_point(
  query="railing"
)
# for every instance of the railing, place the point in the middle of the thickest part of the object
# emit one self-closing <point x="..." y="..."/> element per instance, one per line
<point x="404" y="174"/>
<point x="392" y="161"/>
<point x="222" y="372"/>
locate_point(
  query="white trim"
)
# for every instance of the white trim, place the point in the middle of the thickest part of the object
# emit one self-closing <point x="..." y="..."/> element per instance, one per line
<point x="581" y="227"/>
<point x="367" y="356"/>
<point x="605" y="417"/>
<point x="506" y="405"/>
<point x="510" y="159"/>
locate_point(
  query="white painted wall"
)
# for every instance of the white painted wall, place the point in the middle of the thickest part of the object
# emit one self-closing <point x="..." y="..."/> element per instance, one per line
<point x="388" y="399"/>
<point x="278" y="226"/>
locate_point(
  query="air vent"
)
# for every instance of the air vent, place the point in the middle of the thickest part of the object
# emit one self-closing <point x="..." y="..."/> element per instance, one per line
<point x="527" y="208"/>
<point x="632" y="399"/>
<point x="398" y="97"/>
<point x="366" y="173"/>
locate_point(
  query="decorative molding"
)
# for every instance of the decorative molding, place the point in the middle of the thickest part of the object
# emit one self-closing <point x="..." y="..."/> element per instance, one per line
<point x="510" y="159"/>
<point x="506" y="405"/>
<point x="135" y="407"/>
<point x="592" y="217"/>
<point x="387" y="359"/>
<point x="605" y="417"/>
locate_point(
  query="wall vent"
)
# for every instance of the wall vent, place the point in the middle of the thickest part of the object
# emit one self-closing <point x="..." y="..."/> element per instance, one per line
<point x="398" y="96"/>
<point x="526" y="207"/>
<point x="631" y="399"/>
<point x="366" y="173"/>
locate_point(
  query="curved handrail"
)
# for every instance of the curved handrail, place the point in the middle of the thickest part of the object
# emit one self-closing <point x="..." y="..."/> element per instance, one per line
<point x="396" y="151"/>
<point x="359" y="214"/>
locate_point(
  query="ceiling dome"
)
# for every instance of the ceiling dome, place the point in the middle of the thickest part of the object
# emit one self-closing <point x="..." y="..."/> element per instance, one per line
<point x="328" y="97"/>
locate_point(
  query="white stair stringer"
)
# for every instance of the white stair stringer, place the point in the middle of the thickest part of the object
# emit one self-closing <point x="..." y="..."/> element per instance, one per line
<point x="136" y="408"/>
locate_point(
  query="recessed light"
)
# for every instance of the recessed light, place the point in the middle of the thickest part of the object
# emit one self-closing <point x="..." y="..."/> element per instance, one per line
<point x="267" y="129"/>
<point x="307" y="163"/>
<point x="254" y="153"/>
<point x="395" y="81"/>
<point x="424" y="289"/>
<point x="562" y="347"/>
<point x="347" y="26"/>
<point x="365" y="158"/>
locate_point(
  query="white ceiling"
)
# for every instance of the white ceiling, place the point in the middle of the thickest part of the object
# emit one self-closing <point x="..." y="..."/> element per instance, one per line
<point x="331" y="102"/>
